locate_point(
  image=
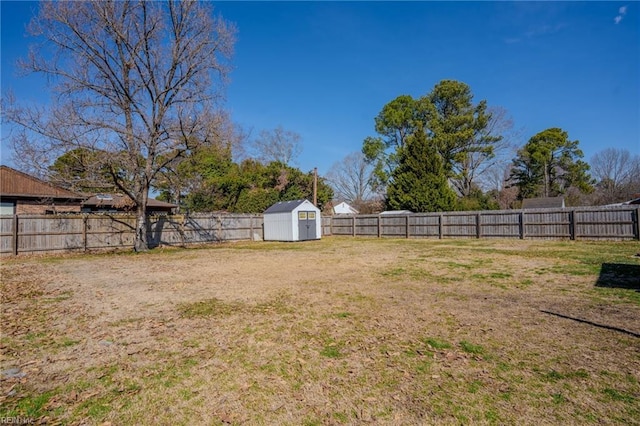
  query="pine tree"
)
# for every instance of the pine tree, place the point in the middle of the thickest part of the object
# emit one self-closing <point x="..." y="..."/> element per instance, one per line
<point x="419" y="183"/>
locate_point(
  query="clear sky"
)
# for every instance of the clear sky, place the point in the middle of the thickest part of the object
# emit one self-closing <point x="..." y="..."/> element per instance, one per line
<point x="325" y="69"/>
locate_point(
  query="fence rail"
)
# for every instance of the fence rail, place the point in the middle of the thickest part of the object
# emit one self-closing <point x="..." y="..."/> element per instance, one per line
<point x="593" y="223"/>
<point x="51" y="233"/>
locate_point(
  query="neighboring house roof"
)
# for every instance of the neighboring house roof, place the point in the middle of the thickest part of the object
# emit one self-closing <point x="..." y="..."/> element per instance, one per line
<point x="287" y="206"/>
<point x="122" y="202"/>
<point x="396" y="212"/>
<point x="543" y="203"/>
<point x="344" y="208"/>
<point x="626" y="203"/>
<point x="14" y="183"/>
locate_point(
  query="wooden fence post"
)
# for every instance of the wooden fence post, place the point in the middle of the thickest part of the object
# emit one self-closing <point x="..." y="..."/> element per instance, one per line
<point x="478" y="226"/>
<point x="354" y="226"/>
<point x="15" y="234"/>
<point x="638" y="223"/>
<point x="183" y="221"/>
<point x="407" y="223"/>
<point x="379" y="226"/>
<point x="440" y="226"/>
<point x="572" y="225"/>
<point x="522" y="227"/>
<point x="84" y="232"/>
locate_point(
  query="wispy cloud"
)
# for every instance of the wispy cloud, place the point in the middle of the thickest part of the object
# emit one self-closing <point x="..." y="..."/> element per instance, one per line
<point x="621" y="12"/>
<point x="535" y="32"/>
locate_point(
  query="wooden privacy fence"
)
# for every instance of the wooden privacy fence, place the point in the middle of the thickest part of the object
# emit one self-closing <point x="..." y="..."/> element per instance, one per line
<point x="50" y="233"/>
<point x="619" y="223"/>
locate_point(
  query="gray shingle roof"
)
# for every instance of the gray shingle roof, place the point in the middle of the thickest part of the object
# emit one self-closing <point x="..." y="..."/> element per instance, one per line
<point x="284" y="206"/>
<point x="543" y="203"/>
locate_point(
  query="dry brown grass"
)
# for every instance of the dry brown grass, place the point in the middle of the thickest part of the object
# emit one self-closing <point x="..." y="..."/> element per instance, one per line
<point x="338" y="331"/>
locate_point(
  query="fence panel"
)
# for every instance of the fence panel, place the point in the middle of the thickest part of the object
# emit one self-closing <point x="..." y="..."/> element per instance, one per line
<point x="49" y="233"/>
<point x="424" y="226"/>
<point x="342" y="225"/>
<point x="326" y="226"/>
<point x="238" y="227"/>
<point x="6" y="234"/>
<point x="553" y="224"/>
<point x="110" y="231"/>
<point x="604" y="224"/>
<point x="393" y="226"/>
<point x="500" y="225"/>
<point x="367" y="226"/>
<point x="459" y="225"/>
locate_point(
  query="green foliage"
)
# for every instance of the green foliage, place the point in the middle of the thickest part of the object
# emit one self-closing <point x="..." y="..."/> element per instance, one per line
<point x="459" y="130"/>
<point x="477" y="200"/>
<point x="459" y="127"/>
<point x="209" y="180"/>
<point x="549" y="165"/>
<point x="419" y="183"/>
<point x="85" y="170"/>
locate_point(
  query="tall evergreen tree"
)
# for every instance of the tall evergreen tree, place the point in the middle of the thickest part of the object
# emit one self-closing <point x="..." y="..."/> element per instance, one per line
<point x="419" y="182"/>
<point x="549" y="164"/>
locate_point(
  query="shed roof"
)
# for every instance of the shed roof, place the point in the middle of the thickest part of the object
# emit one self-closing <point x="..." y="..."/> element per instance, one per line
<point x="14" y="183"/>
<point x="285" y="206"/>
<point x="543" y="203"/>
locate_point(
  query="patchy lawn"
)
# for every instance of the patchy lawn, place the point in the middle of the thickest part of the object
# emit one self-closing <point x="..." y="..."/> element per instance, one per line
<point x="338" y="331"/>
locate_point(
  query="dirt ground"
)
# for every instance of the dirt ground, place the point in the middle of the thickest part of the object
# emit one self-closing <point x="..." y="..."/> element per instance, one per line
<point x="338" y="331"/>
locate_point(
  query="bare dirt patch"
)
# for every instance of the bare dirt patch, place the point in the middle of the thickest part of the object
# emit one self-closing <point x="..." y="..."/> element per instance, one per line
<point x="338" y="331"/>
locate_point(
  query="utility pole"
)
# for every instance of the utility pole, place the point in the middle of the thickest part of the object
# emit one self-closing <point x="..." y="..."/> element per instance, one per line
<point x="315" y="186"/>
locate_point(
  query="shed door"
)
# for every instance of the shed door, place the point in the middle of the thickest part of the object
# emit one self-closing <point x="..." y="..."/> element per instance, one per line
<point x="307" y="226"/>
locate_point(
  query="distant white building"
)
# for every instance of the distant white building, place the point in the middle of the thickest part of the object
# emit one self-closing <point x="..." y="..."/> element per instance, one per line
<point x="344" y="208"/>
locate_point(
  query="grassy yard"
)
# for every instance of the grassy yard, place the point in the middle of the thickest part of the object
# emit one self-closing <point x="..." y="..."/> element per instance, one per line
<point x="338" y="331"/>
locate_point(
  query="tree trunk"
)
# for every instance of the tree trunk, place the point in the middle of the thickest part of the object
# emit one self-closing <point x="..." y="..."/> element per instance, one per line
<point x="141" y="242"/>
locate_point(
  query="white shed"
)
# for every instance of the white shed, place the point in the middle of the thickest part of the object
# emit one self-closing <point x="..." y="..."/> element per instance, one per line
<point x="296" y="220"/>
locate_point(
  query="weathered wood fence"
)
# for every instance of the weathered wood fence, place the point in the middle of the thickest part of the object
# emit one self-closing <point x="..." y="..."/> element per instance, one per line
<point x="50" y="233"/>
<point x="613" y="223"/>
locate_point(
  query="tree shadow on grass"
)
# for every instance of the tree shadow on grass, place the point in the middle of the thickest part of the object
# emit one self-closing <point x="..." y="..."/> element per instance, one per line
<point x="619" y="275"/>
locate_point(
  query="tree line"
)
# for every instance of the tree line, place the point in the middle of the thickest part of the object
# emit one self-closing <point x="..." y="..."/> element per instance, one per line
<point x="137" y="108"/>
<point x="444" y="152"/>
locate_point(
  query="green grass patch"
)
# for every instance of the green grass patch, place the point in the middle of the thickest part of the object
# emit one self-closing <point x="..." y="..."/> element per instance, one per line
<point x="30" y="406"/>
<point x="470" y="348"/>
<point x="616" y="395"/>
<point x="331" y="351"/>
<point x="437" y="343"/>
<point x="208" y="308"/>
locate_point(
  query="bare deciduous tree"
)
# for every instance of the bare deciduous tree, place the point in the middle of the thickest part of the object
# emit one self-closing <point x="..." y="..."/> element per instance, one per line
<point x="279" y="145"/>
<point x="478" y="166"/>
<point x="136" y="82"/>
<point x="617" y="173"/>
<point x="351" y="177"/>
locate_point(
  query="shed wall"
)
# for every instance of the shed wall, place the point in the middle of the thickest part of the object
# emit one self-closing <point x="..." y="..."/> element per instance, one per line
<point x="280" y="227"/>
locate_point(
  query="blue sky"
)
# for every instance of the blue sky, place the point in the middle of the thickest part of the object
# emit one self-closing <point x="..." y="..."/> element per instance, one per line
<point x="325" y="69"/>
